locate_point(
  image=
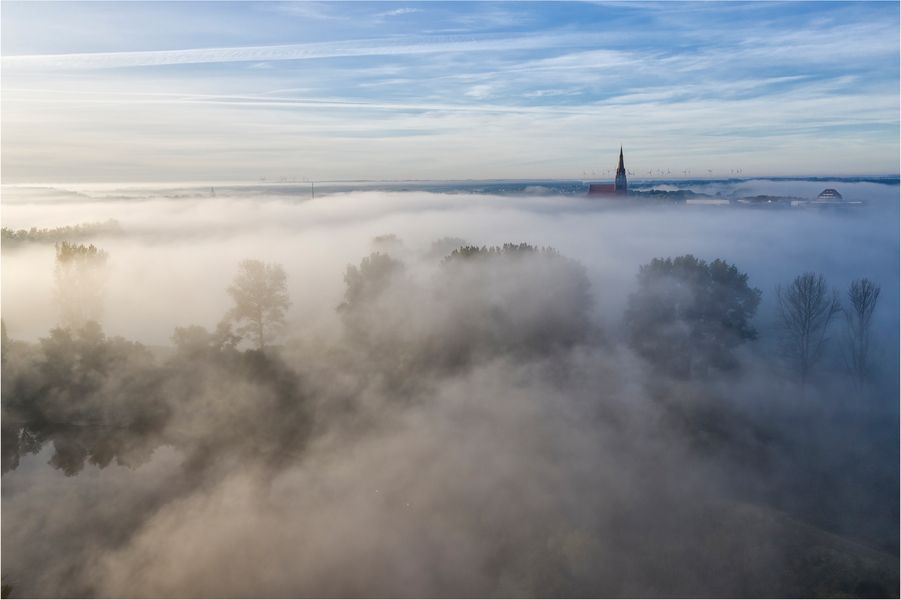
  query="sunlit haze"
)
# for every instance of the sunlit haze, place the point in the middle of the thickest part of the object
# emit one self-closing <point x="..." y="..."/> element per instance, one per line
<point x="450" y="300"/>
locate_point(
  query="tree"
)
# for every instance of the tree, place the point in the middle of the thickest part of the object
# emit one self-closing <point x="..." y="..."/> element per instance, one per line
<point x="688" y="315"/>
<point x="387" y="243"/>
<point x="444" y="246"/>
<point x="4" y="342"/>
<point x="862" y="296"/>
<point x="521" y="249"/>
<point x="80" y="279"/>
<point x="196" y="341"/>
<point x="369" y="280"/>
<point x="261" y="299"/>
<point x="96" y="398"/>
<point x="514" y="298"/>
<point x="479" y="302"/>
<point x="806" y="309"/>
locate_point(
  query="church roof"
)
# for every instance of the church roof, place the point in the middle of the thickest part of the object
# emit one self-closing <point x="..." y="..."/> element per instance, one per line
<point x="829" y="194"/>
<point x="618" y="188"/>
<point x="595" y="189"/>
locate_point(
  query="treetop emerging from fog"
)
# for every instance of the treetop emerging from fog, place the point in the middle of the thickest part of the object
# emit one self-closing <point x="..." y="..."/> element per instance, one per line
<point x="80" y="278"/>
<point x="371" y="394"/>
<point x="261" y="299"/>
<point x="688" y="315"/>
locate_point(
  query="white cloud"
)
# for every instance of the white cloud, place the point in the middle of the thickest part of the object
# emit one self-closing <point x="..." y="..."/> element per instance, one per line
<point x="374" y="47"/>
<point x="552" y="93"/>
<point x="320" y="11"/>
<point x="481" y="91"/>
<point x="398" y="12"/>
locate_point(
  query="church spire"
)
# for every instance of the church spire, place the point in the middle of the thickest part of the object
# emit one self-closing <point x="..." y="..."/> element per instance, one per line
<point x="620" y="185"/>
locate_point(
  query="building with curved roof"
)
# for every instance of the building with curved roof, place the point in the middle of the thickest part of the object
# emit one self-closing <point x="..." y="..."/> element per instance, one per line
<point x="829" y="195"/>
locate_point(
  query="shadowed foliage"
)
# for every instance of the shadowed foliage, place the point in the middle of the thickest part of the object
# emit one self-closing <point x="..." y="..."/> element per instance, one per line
<point x="688" y="316"/>
<point x="466" y="431"/>
<point x="15" y="237"/>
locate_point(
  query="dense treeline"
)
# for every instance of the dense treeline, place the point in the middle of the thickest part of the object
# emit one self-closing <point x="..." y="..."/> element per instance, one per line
<point x="680" y="408"/>
<point x="99" y="398"/>
<point x="53" y="235"/>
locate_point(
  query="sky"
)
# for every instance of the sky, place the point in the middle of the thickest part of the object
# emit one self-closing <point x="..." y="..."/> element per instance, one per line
<point x="234" y="91"/>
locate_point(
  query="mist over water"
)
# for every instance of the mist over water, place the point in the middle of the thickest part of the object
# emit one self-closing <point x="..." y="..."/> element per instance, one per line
<point x="456" y="428"/>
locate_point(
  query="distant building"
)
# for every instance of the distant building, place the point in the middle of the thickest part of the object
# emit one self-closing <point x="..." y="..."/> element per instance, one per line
<point x="828" y="199"/>
<point x="601" y="189"/>
<point x="620" y="185"/>
<point x="829" y="195"/>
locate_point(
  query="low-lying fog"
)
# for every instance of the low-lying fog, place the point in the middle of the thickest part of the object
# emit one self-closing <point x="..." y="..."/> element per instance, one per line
<point x="487" y="425"/>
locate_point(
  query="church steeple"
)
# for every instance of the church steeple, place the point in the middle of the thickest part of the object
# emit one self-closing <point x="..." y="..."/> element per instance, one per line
<point x="620" y="185"/>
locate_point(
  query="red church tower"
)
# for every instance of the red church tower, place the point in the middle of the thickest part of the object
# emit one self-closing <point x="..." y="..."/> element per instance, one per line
<point x="620" y="185"/>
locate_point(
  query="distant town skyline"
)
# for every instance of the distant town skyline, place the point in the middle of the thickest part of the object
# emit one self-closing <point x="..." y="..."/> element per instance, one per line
<point x="159" y="91"/>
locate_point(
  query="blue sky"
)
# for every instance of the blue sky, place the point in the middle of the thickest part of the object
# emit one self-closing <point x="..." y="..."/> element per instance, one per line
<point x="131" y="91"/>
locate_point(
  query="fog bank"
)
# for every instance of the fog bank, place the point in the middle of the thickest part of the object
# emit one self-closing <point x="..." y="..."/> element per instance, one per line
<point x="432" y="423"/>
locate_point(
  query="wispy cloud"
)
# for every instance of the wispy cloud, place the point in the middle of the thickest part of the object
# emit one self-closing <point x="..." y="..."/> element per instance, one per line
<point x="372" y="47"/>
<point x="398" y="12"/>
<point x="480" y="91"/>
<point x="320" y="11"/>
<point x="552" y="93"/>
<point x="802" y="87"/>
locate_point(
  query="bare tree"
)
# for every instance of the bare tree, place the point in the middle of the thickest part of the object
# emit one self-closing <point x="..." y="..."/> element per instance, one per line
<point x="806" y="308"/>
<point x="261" y="299"/>
<point x="80" y="279"/>
<point x="862" y="295"/>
